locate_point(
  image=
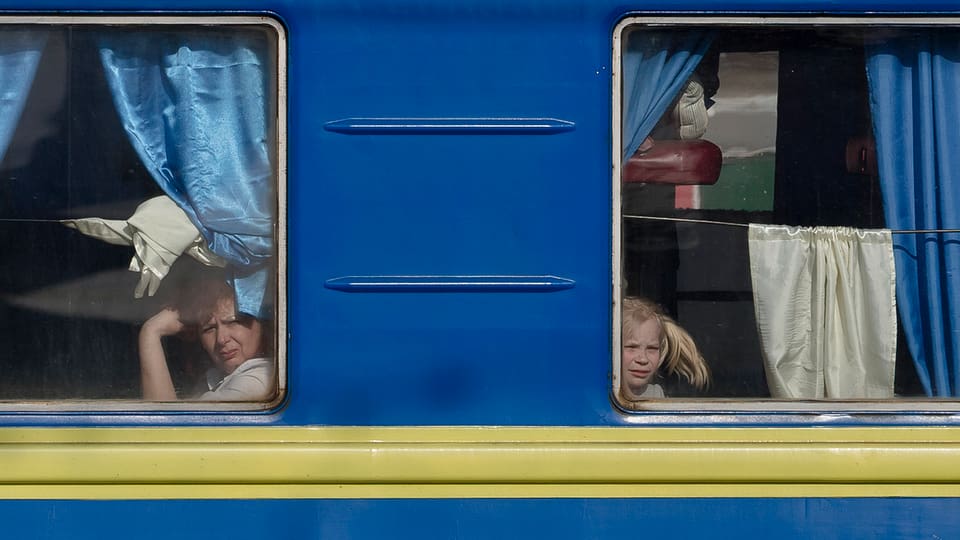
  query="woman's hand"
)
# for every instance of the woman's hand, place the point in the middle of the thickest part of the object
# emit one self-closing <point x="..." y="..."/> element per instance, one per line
<point x="165" y="323"/>
<point x="154" y="374"/>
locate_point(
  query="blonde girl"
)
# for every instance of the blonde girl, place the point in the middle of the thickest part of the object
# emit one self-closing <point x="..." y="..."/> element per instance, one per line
<point x="651" y="341"/>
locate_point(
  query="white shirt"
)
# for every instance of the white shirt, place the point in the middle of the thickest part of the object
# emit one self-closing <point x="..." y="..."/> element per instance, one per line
<point x="253" y="380"/>
<point x="652" y="391"/>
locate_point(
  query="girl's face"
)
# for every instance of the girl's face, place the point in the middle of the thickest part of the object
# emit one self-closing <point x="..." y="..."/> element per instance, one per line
<point x="641" y="357"/>
<point x="230" y="340"/>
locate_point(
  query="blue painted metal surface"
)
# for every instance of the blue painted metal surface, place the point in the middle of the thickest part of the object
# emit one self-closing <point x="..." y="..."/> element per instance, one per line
<point x="522" y="204"/>
<point x="483" y="519"/>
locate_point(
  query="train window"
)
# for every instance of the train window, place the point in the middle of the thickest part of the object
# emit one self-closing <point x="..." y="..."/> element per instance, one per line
<point x="785" y="212"/>
<point x="141" y="191"/>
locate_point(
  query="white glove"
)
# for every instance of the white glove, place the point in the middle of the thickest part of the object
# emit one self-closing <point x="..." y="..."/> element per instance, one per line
<point x="159" y="232"/>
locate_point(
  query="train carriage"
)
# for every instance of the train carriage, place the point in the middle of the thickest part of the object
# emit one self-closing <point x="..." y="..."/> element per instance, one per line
<point x="348" y="269"/>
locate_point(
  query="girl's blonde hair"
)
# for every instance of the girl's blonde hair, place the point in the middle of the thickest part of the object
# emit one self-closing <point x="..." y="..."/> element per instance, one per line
<point x="678" y="351"/>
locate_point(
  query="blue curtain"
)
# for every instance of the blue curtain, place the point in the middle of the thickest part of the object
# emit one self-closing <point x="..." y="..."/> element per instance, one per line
<point x="20" y="51"/>
<point x="914" y="90"/>
<point x="656" y="64"/>
<point x="197" y="107"/>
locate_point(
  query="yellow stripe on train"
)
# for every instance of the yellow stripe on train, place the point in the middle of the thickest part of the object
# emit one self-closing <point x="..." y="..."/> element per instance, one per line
<point x="442" y="462"/>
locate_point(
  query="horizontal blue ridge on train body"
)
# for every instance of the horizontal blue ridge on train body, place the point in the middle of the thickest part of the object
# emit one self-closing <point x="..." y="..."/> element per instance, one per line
<point x="449" y="283"/>
<point x="448" y="126"/>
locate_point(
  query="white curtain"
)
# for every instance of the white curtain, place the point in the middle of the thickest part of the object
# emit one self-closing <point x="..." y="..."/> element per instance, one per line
<point x="826" y="310"/>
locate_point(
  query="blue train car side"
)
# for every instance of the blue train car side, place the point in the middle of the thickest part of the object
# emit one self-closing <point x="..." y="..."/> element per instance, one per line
<point x="447" y="259"/>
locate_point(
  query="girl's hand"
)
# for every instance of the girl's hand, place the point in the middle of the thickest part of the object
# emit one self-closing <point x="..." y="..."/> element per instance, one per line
<point x="165" y="323"/>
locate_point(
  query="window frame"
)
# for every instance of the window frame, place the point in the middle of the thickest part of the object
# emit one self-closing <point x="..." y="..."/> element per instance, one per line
<point x="920" y="410"/>
<point x="280" y="326"/>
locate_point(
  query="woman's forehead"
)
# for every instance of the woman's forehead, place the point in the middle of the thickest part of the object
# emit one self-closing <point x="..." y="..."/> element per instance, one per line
<point x="225" y="308"/>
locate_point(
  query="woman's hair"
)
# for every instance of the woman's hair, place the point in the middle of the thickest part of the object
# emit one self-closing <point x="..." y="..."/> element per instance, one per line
<point x="677" y="349"/>
<point x="200" y="298"/>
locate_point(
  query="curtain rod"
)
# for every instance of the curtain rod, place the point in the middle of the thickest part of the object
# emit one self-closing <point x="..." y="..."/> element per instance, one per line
<point x="626" y="216"/>
<point x="733" y="224"/>
<point x="33" y="220"/>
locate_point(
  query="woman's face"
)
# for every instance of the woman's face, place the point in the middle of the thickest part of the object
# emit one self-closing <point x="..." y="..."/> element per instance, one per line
<point x="641" y="357"/>
<point x="229" y="339"/>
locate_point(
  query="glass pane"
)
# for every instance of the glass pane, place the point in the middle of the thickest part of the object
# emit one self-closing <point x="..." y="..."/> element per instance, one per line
<point x="727" y="126"/>
<point x="140" y="174"/>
